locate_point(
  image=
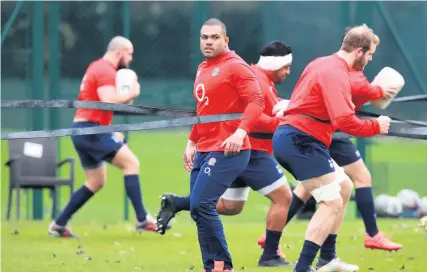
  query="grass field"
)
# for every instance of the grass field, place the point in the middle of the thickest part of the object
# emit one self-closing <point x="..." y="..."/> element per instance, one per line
<point x="110" y="244"/>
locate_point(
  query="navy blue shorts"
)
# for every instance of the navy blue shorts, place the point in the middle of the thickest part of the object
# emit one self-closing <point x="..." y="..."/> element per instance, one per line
<point x="216" y="169"/>
<point x="219" y="168"/>
<point x="301" y="154"/>
<point x="94" y="149"/>
<point x="344" y="152"/>
<point x="262" y="174"/>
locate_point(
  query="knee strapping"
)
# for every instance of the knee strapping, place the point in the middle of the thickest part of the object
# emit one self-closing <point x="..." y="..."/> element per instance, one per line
<point x="240" y="194"/>
<point x="327" y="192"/>
<point x="339" y="172"/>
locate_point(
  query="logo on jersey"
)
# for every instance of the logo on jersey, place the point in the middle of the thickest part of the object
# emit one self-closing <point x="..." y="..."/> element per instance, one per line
<point x="357" y="153"/>
<point x="200" y="94"/>
<point x="216" y="71"/>
<point x="212" y="161"/>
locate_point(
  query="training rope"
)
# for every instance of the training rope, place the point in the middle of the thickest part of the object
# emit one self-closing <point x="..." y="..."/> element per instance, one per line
<point x="183" y="118"/>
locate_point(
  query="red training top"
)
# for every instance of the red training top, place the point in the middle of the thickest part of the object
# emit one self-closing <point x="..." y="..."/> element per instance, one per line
<point x="362" y="90"/>
<point x="323" y="92"/>
<point x="225" y="84"/>
<point x="99" y="73"/>
<point x="267" y="122"/>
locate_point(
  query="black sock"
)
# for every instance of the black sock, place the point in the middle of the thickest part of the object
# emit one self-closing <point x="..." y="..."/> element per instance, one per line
<point x="78" y="199"/>
<point x="133" y="191"/>
<point x="295" y="206"/>
<point x="366" y="207"/>
<point x="306" y="258"/>
<point x="272" y="240"/>
<point x="182" y="203"/>
<point x="327" y="251"/>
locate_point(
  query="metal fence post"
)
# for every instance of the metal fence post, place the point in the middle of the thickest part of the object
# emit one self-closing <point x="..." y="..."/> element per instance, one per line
<point x="55" y="72"/>
<point x="126" y="33"/>
<point x="38" y="91"/>
<point x="200" y="15"/>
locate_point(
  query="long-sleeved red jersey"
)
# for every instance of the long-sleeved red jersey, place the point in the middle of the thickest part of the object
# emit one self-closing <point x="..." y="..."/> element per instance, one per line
<point x="321" y="102"/>
<point x="99" y="73"/>
<point x="267" y="122"/>
<point x="225" y="84"/>
<point x="362" y="90"/>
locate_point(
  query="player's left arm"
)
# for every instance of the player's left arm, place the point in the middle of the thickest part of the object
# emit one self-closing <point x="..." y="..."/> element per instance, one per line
<point x="246" y="85"/>
<point x="361" y="87"/>
<point x="336" y="91"/>
<point x="243" y="79"/>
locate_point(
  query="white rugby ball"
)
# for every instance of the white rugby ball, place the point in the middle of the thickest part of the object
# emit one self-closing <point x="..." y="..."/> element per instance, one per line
<point x="386" y="205"/>
<point x="409" y="198"/>
<point x="125" y="78"/>
<point x="280" y="107"/>
<point x="387" y="77"/>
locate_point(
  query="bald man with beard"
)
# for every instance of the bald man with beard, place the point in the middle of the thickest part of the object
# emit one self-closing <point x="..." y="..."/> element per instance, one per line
<point x="99" y="85"/>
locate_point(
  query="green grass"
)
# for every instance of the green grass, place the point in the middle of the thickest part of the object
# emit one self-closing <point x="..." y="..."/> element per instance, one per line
<point x="117" y="248"/>
<point x="395" y="165"/>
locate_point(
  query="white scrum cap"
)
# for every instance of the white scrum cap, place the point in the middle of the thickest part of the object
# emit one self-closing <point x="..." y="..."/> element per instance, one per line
<point x="387" y="77"/>
<point x="125" y="79"/>
<point x="273" y="63"/>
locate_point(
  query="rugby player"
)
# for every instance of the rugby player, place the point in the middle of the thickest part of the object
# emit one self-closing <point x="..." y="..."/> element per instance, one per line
<point x="262" y="174"/>
<point x="98" y="84"/>
<point x="320" y="104"/>
<point x="217" y="153"/>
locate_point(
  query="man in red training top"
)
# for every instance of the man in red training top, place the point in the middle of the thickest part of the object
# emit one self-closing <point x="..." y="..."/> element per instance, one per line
<point x="98" y="84"/>
<point x="320" y="104"/>
<point x="262" y="174"/>
<point x="217" y="153"/>
<point x="346" y="155"/>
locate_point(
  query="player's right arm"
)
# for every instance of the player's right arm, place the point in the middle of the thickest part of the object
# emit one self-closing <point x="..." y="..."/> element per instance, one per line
<point x="190" y="149"/>
<point x="107" y="88"/>
<point x="336" y="92"/>
<point x="108" y="94"/>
